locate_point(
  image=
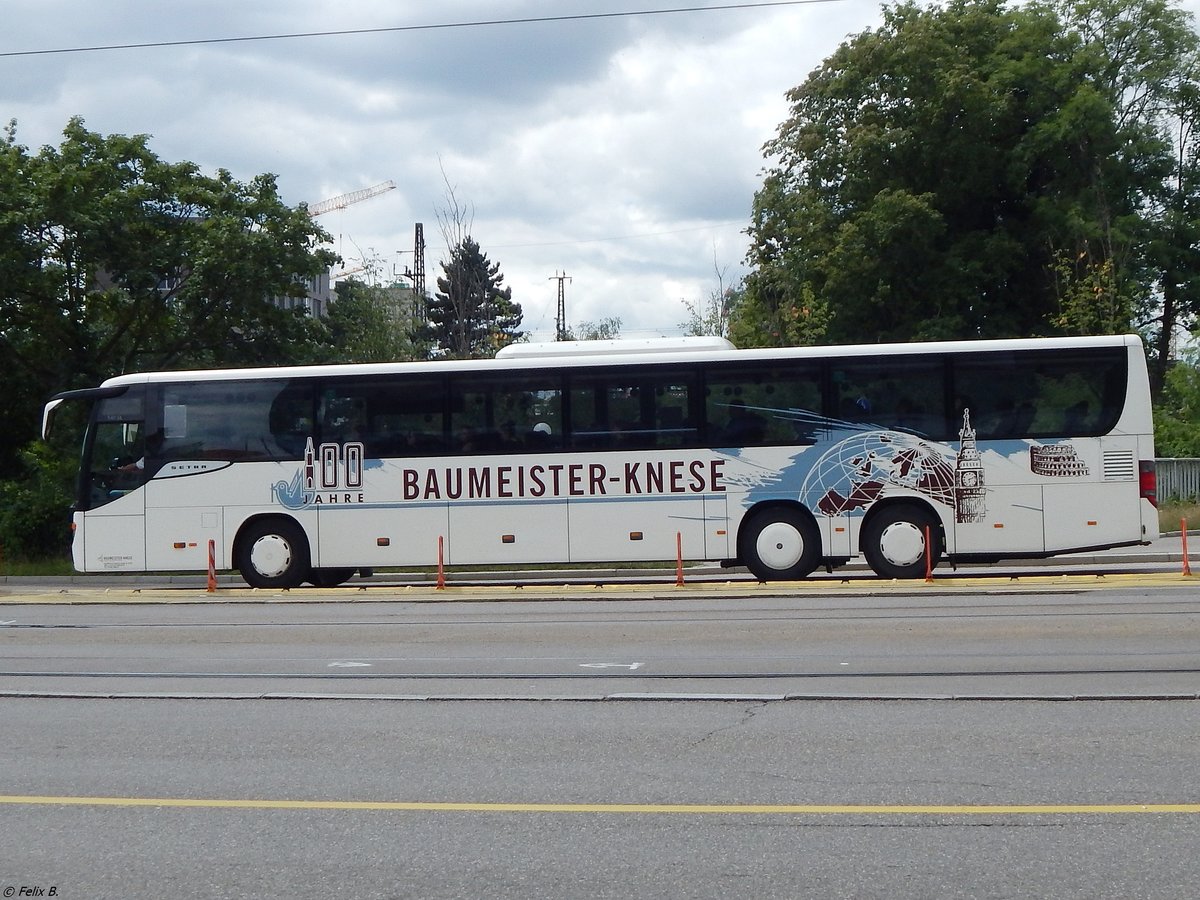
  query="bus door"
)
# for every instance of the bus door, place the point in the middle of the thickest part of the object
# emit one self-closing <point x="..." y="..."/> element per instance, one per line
<point x="110" y="523"/>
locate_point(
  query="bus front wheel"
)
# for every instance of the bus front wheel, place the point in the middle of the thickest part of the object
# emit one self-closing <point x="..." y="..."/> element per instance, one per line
<point x="273" y="553"/>
<point x="894" y="540"/>
<point x="781" y="544"/>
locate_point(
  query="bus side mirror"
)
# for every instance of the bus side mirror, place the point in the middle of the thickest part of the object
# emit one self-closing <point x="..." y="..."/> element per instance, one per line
<point x="48" y="418"/>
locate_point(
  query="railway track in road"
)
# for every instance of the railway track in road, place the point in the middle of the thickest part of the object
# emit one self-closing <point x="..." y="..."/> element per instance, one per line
<point x="1143" y="642"/>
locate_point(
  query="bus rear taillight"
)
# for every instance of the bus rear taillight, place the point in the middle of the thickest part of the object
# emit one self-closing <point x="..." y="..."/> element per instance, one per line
<point x="1148" y="481"/>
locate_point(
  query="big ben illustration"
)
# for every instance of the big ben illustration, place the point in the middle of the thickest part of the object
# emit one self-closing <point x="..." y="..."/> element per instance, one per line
<point x="310" y="468"/>
<point x="970" y="496"/>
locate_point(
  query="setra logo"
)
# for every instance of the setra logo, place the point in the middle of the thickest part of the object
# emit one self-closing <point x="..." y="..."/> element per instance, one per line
<point x="332" y="475"/>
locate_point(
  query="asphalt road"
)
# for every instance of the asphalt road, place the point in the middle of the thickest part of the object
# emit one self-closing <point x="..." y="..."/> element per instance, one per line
<point x="1050" y="637"/>
<point x="1033" y="737"/>
<point x="379" y="799"/>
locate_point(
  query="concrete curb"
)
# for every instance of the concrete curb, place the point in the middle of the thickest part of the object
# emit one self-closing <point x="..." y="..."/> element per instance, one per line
<point x="577" y="576"/>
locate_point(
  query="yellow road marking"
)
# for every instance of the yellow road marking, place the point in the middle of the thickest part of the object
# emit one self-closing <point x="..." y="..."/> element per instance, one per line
<point x="627" y="808"/>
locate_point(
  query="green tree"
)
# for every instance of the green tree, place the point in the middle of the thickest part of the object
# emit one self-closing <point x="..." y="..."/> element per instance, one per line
<point x="968" y="170"/>
<point x="113" y="260"/>
<point x="472" y="315"/>
<point x="606" y="329"/>
<point x="1177" y="414"/>
<point x="1147" y="58"/>
<point x="374" y="323"/>
<point x="711" y="316"/>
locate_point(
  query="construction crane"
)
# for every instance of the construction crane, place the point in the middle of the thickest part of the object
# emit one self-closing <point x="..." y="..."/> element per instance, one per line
<point x="334" y="276"/>
<point x="318" y="209"/>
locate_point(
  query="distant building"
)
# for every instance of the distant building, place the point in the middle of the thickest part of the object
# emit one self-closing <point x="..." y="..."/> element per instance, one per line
<point x="317" y="299"/>
<point x="407" y="304"/>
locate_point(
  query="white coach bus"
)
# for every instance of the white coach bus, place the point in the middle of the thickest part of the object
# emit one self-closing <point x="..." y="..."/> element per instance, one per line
<point x="778" y="460"/>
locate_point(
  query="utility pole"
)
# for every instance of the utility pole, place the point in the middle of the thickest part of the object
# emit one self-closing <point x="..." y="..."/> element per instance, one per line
<point x="560" y="320"/>
<point x="416" y="274"/>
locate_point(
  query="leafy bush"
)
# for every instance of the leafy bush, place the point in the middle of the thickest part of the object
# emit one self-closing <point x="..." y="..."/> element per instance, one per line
<point x="1177" y="416"/>
<point x="34" y="517"/>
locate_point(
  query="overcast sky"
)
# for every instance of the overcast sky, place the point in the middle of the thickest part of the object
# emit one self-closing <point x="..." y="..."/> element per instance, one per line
<point x="623" y="151"/>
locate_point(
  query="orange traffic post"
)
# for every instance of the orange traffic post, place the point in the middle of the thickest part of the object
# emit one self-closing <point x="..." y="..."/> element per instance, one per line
<point x="1187" y="568"/>
<point x="212" y="566"/>
<point x="678" y="559"/>
<point x="441" y="582"/>
<point x="928" y="556"/>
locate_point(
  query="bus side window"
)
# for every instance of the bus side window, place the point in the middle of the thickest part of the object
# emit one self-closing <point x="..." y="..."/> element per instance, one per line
<point x="1042" y="393"/>
<point x="745" y="427"/>
<point x="633" y="410"/>
<point x="746" y="407"/>
<point x="342" y="415"/>
<point x="1069" y="402"/>
<point x="903" y="393"/>
<point x="673" y="424"/>
<point x="507" y="413"/>
<point x="290" y="420"/>
<point x="390" y="417"/>
<point x="231" y="420"/>
<point x="529" y="413"/>
<point x="1006" y="418"/>
<point x="998" y="393"/>
<point x="589" y="415"/>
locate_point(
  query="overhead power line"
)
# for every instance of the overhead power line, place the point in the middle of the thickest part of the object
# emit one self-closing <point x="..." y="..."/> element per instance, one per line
<point x="483" y="23"/>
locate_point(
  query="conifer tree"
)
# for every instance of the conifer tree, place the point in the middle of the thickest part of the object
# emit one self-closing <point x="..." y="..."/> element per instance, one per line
<point x="472" y="315"/>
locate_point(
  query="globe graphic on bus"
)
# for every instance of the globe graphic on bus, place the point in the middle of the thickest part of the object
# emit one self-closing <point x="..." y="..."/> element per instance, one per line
<point x="858" y="469"/>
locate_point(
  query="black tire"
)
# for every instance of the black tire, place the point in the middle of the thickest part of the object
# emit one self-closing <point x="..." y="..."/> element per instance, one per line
<point x="893" y="541"/>
<point x="273" y="553"/>
<point x="780" y="544"/>
<point x="324" y="578"/>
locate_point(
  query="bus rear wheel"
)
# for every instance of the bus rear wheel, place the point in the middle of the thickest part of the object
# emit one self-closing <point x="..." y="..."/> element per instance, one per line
<point x="894" y="541"/>
<point x="781" y="544"/>
<point x="273" y="553"/>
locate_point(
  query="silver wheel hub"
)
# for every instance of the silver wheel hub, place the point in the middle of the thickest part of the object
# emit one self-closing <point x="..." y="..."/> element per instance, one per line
<point x="902" y="544"/>
<point x="779" y="546"/>
<point x="271" y="555"/>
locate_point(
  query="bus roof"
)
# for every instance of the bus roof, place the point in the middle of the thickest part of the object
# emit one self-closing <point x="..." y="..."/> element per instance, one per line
<point x="584" y="354"/>
<point x="574" y="349"/>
